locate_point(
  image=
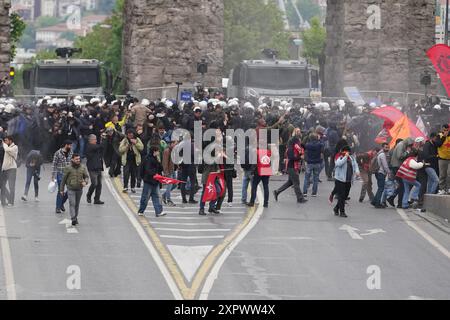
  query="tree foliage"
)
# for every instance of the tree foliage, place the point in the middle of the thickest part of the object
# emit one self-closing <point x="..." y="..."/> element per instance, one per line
<point x="314" y="41"/>
<point x="250" y="27"/>
<point x="105" y="41"/>
<point x="17" y="29"/>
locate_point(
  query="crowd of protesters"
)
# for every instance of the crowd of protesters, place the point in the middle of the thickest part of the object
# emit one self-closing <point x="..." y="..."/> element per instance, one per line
<point x="133" y="139"/>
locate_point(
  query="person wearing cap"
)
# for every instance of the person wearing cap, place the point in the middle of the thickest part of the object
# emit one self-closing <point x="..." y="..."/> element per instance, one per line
<point x="61" y="159"/>
<point x="443" y="144"/>
<point x="130" y="150"/>
<point x="408" y="174"/>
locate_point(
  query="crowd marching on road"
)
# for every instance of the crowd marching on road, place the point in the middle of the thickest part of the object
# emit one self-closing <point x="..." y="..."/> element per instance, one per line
<point x="133" y="139"/>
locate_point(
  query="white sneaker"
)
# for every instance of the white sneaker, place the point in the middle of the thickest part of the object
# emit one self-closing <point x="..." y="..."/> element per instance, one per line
<point x="229" y="204"/>
<point x="442" y="192"/>
<point x="162" y="214"/>
<point x="24" y="198"/>
<point x="37" y="199"/>
<point x="140" y="214"/>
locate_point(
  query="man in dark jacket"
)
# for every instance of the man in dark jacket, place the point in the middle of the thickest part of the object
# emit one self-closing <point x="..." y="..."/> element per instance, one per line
<point x="294" y="157"/>
<point x="94" y="155"/>
<point x="429" y="155"/>
<point x="150" y="168"/>
<point x="314" y="156"/>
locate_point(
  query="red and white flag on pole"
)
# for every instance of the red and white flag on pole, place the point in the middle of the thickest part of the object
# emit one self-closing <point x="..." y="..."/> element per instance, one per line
<point x="165" y="180"/>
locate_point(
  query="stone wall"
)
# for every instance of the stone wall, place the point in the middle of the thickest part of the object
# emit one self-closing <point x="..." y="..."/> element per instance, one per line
<point x="4" y="39"/>
<point x="164" y="40"/>
<point x="389" y="58"/>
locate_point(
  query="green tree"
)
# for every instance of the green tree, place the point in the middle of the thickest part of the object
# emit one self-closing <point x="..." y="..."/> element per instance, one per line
<point x="314" y="41"/>
<point x="28" y="39"/>
<point x="69" y="35"/>
<point x="105" y="41"/>
<point x="17" y="29"/>
<point x="250" y="27"/>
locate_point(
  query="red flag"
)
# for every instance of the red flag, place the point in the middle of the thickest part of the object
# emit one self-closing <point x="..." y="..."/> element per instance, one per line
<point x="264" y="163"/>
<point x="210" y="192"/>
<point x="440" y="57"/>
<point x="165" y="180"/>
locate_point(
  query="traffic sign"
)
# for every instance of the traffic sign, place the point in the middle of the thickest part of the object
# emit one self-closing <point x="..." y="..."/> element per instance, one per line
<point x="186" y="96"/>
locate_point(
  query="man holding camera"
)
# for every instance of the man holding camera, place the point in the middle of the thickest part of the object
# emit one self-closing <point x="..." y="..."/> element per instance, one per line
<point x="33" y="164"/>
<point x="9" y="171"/>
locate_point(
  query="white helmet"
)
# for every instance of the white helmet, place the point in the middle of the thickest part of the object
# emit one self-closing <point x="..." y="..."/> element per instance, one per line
<point x="420" y="140"/>
<point x="437" y="107"/>
<point x="9" y="108"/>
<point x="145" y="102"/>
<point x="341" y="103"/>
<point x="326" y="107"/>
<point x="2" y="107"/>
<point x="283" y="103"/>
<point x="203" y="105"/>
<point x="94" y="100"/>
<point x="169" y="104"/>
<point x="47" y="98"/>
<point x="373" y="105"/>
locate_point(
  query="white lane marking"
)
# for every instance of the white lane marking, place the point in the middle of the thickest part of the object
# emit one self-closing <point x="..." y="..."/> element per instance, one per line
<point x="196" y="213"/>
<point x="373" y="231"/>
<point x="141" y="232"/>
<point x="69" y="227"/>
<point x="193" y="230"/>
<point x="190" y="224"/>
<point x="425" y="235"/>
<point x="7" y="260"/>
<point x="190" y="237"/>
<point x="209" y="282"/>
<point x="351" y="231"/>
<point x="197" y="218"/>
<point x="188" y="258"/>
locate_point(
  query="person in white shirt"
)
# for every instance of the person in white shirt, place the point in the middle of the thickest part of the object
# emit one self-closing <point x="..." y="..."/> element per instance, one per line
<point x="9" y="171"/>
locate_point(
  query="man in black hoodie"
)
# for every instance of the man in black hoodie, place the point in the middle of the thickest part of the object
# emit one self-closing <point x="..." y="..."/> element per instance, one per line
<point x="151" y="167"/>
<point x="94" y="155"/>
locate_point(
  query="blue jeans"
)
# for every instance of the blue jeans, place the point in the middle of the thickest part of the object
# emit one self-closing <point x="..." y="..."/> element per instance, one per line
<point x="150" y="191"/>
<point x="433" y="180"/>
<point x="169" y="187"/>
<point x="32" y="172"/>
<point x="60" y="200"/>
<point x="314" y="170"/>
<point x="415" y="193"/>
<point x="246" y="180"/>
<point x="381" y="180"/>
<point x="78" y="146"/>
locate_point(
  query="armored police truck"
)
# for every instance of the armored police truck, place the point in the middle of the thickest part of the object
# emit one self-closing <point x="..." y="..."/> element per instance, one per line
<point x="282" y="79"/>
<point x="67" y="77"/>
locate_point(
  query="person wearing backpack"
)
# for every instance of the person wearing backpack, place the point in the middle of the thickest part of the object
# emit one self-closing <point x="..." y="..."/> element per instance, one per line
<point x="383" y="171"/>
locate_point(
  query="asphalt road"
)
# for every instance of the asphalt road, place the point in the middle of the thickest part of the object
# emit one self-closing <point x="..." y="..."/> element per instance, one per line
<point x="288" y="251"/>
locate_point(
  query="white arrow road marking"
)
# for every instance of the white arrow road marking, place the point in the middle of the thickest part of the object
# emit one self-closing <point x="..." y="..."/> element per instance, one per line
<point x="351" y="231"/>
<point x="189" y="259"/>
<point x="373" y="231"/>
<point x="69" y="227"/>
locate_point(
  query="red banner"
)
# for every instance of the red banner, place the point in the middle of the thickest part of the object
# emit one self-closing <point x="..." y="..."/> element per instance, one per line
<point x="165" y="180"/>
<point x="264" y="163"/>
<point x="440" y="57"/>
<point x="210" y="192"/>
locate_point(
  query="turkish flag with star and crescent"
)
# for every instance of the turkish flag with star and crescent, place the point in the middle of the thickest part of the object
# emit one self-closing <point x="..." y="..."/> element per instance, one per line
<point x="165" y="180"/>
<point x="264" y="163"/>
<point x="210" y="192"/>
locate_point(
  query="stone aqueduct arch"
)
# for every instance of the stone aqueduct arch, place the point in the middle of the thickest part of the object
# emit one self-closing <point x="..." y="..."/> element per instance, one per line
<point x="372" y="44"/>
<point x="5" y="47"/>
